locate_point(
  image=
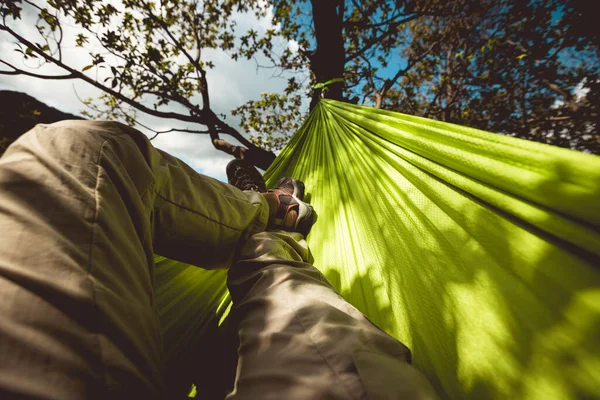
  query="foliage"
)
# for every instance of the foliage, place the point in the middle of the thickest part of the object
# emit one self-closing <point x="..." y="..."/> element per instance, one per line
<point x="273" y="119"/>
<point x="526" y="69"/>
<point x="519" y="68"/>
<point x="145" y="55"/>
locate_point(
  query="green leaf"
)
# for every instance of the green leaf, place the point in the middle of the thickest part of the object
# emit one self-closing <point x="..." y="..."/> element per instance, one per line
<point x="329" y="82"/>
<point x="87" y="67"/>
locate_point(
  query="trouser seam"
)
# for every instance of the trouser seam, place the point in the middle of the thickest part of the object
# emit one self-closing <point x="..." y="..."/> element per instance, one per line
<point x="196" y="212"/>
<point x="90" y="261"/>
<point x="149" y="206"/>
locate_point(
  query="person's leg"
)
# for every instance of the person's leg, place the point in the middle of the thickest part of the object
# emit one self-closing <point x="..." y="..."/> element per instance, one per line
<point x="83" y="206"/>
<point x="299" y="339"/>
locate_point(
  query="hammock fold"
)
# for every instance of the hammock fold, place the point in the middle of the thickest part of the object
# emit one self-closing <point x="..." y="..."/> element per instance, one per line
<point x="480" y="252"/>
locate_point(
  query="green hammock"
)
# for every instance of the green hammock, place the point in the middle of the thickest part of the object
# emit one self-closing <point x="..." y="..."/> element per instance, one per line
<point x="479" y="251"/>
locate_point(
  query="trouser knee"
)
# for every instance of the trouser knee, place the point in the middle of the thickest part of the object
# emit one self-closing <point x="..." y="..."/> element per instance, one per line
<point x="65" y="139"/>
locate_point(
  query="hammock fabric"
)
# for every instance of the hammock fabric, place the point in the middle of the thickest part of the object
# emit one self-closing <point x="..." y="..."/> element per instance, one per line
<point x="480" y="252"/>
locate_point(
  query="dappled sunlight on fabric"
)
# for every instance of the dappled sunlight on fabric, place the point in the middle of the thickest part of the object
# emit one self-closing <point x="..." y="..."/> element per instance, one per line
<point x="275" y="325"/>
<point x="478" y="251"/>
<point x="484" y="340"/>
<point x="188" y="298"/>
<point x="565" y="356"/>
<point x="437" y="233"/>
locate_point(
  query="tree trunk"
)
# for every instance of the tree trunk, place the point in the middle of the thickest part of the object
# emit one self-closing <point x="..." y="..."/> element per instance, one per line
<point x="378" y="99"/>
<point x="328" y="59"/>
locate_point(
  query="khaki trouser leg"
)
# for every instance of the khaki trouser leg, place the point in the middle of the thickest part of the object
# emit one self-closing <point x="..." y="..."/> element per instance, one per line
<point x="83" y="206"/>
<point x="299" y="339"/>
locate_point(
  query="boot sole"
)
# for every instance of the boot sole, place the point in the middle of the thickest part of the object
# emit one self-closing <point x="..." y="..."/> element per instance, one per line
<point x="249" y="168"/>
<point x="298" y="188"/>
<point x="306" y="214"/>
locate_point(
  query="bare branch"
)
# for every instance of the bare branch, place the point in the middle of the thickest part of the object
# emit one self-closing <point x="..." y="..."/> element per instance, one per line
<point x="194" y="61"/>
<point x="175" y="130"/>
<point x="127" y="99"/>
<point x="123" y="98"/>
<point x="391" y="30"/>
<point x="17" y="71"/>
<point x="33" y="4"/>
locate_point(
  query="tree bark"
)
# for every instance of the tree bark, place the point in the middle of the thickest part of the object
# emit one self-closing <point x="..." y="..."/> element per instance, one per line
<point x="328" y="59"/>
<point x="378" y="99"/>
<point x="256" y="156"/>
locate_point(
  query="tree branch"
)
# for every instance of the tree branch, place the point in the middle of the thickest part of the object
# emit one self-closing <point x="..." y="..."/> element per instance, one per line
<point x="123" y="98"/>
<point x="373" y="41"/>
<point x="194" y="61"/>
<point x="18" y="71"/>
<point x="204" y="115"/>
<point x="175" y="130"/>
<point x="388" y="83"/>
<point x="569" y="98"/>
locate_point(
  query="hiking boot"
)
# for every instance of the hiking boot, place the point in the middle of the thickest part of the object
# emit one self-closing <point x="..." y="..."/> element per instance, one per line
<point x="244" y="176"/>
<point x="287" y="210"/>
<point x="293" y="186"/>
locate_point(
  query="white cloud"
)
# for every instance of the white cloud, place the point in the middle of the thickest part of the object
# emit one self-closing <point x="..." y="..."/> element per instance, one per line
<point x="230" y="85"/>
<point x="294" y="46"/>
<point x="214" y="166"/>
<point x="579" y="92"/>
<point x="267" y="22"/>
<point x="196" y="151"/>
